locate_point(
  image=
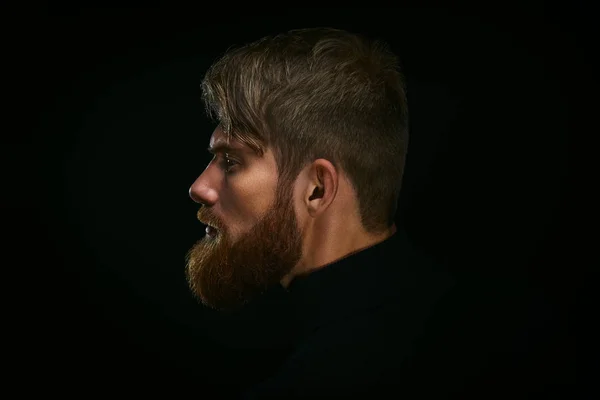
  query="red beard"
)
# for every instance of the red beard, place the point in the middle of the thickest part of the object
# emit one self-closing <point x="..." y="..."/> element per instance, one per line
<point x="226" y="274"/>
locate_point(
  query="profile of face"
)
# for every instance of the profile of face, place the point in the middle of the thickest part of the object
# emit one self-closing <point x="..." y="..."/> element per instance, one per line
<point x="256" y="239"/>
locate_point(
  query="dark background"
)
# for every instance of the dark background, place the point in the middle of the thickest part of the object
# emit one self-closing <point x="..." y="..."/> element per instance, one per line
<point x="110" y="133"/>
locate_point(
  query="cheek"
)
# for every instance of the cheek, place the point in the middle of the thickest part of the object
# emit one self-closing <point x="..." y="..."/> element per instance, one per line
<point x="257" y="191"/>
<point x="248" y="205"/>
<point x="250" y="194"/>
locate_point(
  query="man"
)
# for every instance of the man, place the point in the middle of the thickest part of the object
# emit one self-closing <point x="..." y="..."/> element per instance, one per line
<point x="309" y="156"/>
<point x="302" y="191"/>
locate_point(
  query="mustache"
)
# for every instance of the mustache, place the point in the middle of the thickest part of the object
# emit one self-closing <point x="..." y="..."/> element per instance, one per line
<point x="207" y="218"/>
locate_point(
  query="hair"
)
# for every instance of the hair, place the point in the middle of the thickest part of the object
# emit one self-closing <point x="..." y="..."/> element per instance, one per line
<point x="319" y="93"/>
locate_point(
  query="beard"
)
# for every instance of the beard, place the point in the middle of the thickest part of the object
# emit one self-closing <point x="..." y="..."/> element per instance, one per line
<point x="225" y="274"/>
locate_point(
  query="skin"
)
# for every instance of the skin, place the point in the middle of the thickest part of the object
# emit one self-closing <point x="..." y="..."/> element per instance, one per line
<point x="265" y="240"/>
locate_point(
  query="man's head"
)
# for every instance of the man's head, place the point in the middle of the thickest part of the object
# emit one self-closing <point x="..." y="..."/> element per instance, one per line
<point x="316" y="125"/>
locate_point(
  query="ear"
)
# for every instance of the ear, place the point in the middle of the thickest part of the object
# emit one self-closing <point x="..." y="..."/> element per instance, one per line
<point x="322" y="186"/>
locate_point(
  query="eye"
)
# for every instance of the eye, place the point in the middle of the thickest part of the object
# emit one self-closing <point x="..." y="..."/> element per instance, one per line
<point x="227" y="163"/>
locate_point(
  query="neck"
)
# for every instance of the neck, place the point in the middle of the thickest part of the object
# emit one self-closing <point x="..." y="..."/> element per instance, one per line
<point x="331" y="249"/>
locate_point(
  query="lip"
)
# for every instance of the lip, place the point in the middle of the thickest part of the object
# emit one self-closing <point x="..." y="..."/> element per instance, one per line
<point x="211" y="230"/>
<point x="206" y="223"/>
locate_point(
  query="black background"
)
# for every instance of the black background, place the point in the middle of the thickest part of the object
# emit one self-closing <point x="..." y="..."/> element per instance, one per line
<point x="110" y="133"/>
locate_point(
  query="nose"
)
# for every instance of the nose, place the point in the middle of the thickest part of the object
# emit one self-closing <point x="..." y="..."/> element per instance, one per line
<point x="201" y="193"/>
<point x="193" y="195"/>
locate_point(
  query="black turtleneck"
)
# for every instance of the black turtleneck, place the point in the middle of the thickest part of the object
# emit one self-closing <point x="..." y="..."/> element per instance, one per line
<point x="355" y="285"/>
<point x="387" y="319"/>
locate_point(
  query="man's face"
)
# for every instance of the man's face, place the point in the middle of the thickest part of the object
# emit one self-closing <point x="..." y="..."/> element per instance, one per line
<point x="257" y="240"/>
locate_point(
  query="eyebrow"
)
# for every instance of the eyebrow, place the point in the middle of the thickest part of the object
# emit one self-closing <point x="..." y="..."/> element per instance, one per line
<point x="223" y="148"/>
